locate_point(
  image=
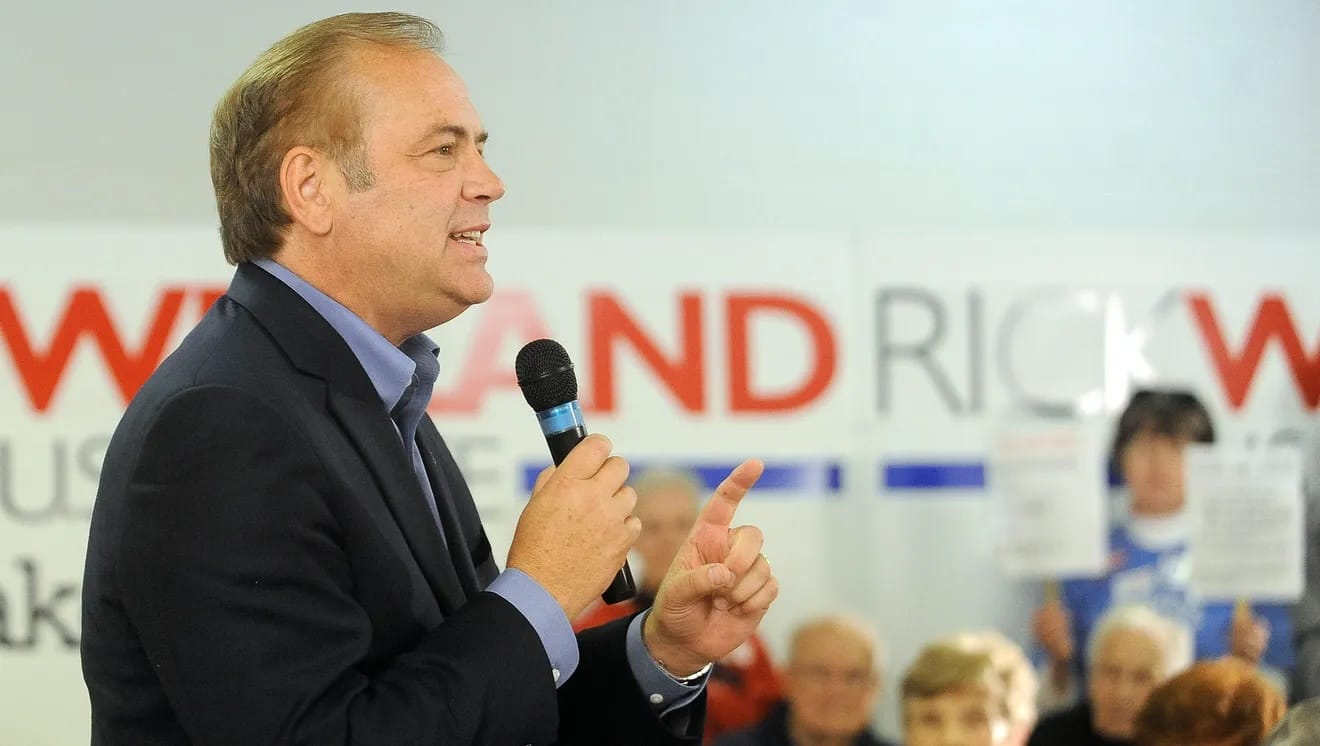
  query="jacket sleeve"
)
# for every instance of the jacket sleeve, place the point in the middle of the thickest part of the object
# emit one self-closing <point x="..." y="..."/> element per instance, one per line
<point x="603" y="704"/>
<point x="234" y="575"/>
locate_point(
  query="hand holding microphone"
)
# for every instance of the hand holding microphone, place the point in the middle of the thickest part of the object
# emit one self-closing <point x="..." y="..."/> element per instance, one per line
<point x="578" y="526"/>
<point x="576" y="531"/>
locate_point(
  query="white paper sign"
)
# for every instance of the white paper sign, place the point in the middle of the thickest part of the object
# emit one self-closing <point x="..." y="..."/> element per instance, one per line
<point x="1050" y="484"/>
<point x="1247" y="532"/>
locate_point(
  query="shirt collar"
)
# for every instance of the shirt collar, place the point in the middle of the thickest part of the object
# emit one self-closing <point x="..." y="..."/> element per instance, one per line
<point x="391" y="369"/>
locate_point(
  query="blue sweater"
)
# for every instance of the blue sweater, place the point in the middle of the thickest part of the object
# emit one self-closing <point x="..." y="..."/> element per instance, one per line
<point x="1158" y="577"/>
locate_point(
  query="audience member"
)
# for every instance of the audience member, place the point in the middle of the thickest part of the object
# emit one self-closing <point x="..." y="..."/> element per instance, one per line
<point x="832" y="685"/>
<point x="1020" y="685"/>
<point x="1149" y="564"/>
<point x="951" y="697"/>
<point x="1225" y="702"/>
<point x="1132" y="650"/>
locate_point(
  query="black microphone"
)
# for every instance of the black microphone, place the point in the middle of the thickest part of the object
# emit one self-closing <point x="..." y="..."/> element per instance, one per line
<point x="545" y="375"/>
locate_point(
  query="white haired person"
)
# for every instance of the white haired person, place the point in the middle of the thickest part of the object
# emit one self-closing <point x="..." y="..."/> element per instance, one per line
<point x="1132" y="651"/>
<point x="833" y="684"/>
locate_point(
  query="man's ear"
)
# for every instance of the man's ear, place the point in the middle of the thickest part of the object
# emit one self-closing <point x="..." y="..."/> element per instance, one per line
<point x="308" y="180"/>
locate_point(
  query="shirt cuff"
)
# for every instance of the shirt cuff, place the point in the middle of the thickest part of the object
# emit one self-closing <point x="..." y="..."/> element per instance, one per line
<point x="662" y="691"/>
<point x="545" y="616"/>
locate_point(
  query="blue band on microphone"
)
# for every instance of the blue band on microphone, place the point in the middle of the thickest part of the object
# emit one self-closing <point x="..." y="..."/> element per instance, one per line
<point x="561" y="418"/>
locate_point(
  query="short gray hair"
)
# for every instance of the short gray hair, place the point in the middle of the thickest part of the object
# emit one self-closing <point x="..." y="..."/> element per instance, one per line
<point x="663" y="479"/>
<point x="1173" y="639"/>
<point x="840" y="625"/>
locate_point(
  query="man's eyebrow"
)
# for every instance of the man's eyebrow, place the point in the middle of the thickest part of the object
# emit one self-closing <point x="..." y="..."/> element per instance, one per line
<point x="456" y="130"/>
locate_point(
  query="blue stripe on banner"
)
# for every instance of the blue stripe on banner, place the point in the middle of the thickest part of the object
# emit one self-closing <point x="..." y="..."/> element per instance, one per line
<point x="824" y="478"/>
<point x="932" y="475"/>
<point x="946" y="475"/>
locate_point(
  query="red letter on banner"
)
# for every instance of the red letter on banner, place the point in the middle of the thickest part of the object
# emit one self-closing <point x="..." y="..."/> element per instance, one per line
<point x="86" y="314"/>
<point x="741" y="396"/>
<point x="684" y="375"/>
<point x="1237" y="372"/>
<point x="508" y="313"/>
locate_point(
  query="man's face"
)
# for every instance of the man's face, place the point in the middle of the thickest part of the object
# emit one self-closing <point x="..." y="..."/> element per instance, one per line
<point x="668" y="515"/>
<point x="414" y="237"/>
<point x="962" y="717"/>
<point x="1127" y="667"/>
<point x="831" y="684"/>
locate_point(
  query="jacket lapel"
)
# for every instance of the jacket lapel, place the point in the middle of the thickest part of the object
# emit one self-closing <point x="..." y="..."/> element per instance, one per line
<point x="433" y="451"/>
<point x="315" y="348"/>
<point x="378" y="442"/>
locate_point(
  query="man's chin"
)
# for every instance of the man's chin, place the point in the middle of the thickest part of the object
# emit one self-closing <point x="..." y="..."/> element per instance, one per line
<point x="473" y="295"/>
<point x="452" y="304"/>
<point x="481" y="291"/>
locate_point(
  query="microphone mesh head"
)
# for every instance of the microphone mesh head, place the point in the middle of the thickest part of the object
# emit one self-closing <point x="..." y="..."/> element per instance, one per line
<point x="545" y="374"/>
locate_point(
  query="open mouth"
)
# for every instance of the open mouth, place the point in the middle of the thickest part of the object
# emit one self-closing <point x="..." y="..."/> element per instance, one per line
<point x="468" y="237"/>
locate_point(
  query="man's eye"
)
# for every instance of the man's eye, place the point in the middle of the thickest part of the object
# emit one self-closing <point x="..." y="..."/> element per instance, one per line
<point x="445" y="150"/>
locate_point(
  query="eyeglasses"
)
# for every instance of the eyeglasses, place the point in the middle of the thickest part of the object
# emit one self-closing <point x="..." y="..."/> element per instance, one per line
<point x="852" y="677"/>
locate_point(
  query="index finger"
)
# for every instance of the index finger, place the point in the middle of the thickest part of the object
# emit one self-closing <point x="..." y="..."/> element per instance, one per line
<point x="724" y="503"/>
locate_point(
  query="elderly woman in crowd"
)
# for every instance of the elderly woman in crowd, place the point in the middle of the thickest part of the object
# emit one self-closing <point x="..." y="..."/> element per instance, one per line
<point x="1132" y="651"/>
<point x="1226" y="702"/>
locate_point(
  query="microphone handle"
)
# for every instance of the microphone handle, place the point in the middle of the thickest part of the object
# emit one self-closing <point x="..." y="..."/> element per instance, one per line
<point x="562" y="442"/>
<point x="623" y="587"/>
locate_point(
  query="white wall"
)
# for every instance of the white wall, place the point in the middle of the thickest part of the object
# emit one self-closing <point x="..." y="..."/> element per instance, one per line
<point x="1170" y="116"/>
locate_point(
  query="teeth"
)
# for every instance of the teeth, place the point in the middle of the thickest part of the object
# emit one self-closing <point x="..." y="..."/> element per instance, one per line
<point x="467" y="236"/>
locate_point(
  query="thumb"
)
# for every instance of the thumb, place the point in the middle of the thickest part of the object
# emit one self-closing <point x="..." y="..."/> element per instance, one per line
<point x="698" y="583"/>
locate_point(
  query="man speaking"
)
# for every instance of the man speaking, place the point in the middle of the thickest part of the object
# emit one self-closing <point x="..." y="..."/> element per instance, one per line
<point x="283" y="549"/>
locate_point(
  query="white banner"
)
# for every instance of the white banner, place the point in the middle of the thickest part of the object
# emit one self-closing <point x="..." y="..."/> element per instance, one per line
<point x="870" y="373"/>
